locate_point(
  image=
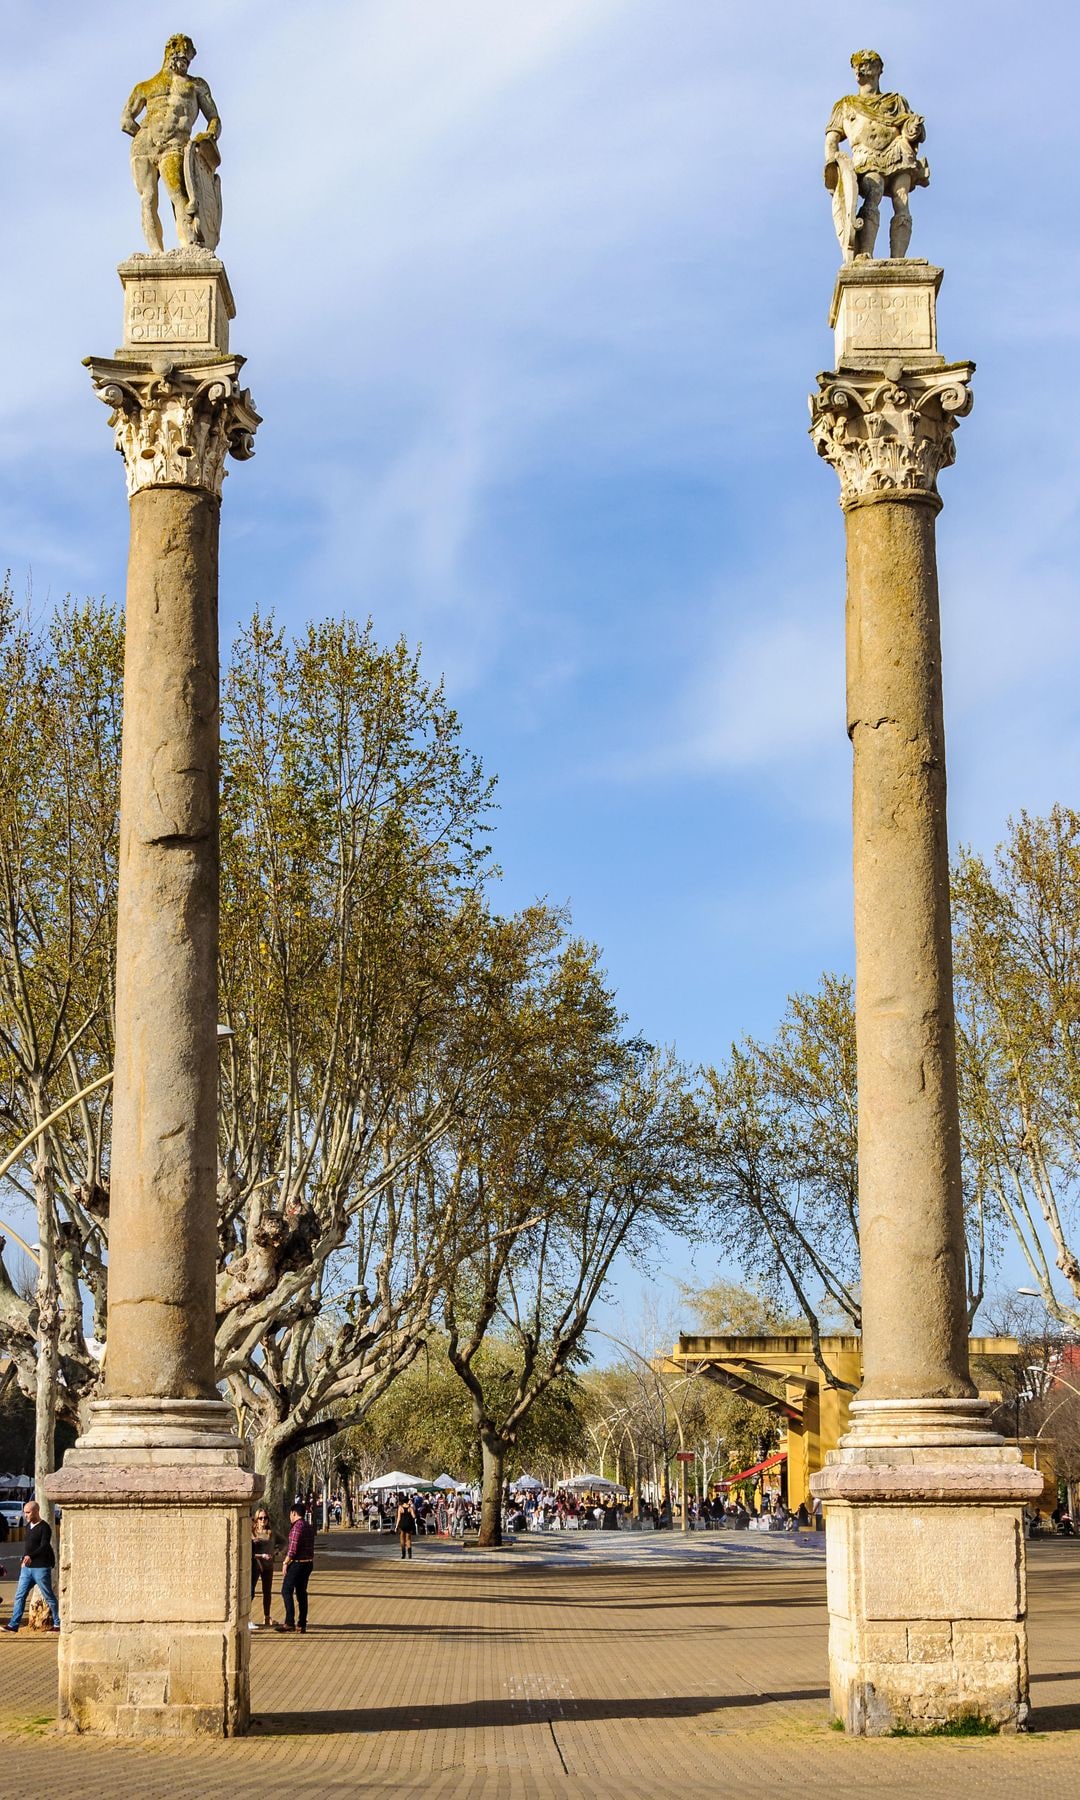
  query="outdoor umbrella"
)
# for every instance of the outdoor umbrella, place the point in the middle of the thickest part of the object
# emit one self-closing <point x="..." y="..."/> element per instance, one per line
<point x="526" y="1484"/>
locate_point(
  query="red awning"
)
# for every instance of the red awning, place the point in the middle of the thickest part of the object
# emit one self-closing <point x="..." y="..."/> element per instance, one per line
<point x="769" y="1463"/>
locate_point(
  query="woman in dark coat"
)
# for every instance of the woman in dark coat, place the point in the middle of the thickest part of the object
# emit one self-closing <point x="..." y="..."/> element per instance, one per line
<point x="405" y="1526"/>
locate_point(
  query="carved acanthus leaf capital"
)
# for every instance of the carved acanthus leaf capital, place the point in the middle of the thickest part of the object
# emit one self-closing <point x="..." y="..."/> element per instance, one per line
<point x="889" y="438"/>
<point x="174" y="425"/>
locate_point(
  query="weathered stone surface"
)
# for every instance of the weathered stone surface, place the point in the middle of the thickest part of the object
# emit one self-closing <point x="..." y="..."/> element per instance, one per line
<point x="936" y="1562"/>
<point x="154" y="1593"/>
<point x="155" y="1563"/>
<point x="174" y="424"/>
<point x="164" y="1159"/>
<point x="159" y="117"/>
<point x="954" y="1483"/>
<point x="180" y="301"/>
<point x="154" y="1482"/>
<point x="886" y="310"/>
<point x="884" y="134"/>
<point x="911" y="1207"/>
<point x="115" y="1566"/>
<point x="926" y="1611"/>
<point x="924" y="1514"/>
<point x="888" y="434"/>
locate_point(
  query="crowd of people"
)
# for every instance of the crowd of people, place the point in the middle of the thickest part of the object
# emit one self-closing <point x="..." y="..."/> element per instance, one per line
<point x="410" y="1515"/>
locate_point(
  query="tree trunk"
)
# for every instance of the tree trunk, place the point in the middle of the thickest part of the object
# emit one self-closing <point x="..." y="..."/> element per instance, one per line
<point x="48" y="1332"/>
<point x="271" y="1464"/>
<point x="493" y="1456"/>
<point x="665" y="1500"/>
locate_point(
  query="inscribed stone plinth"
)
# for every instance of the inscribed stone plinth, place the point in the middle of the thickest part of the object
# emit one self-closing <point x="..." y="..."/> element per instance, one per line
<point x="179" y="301"/>
<point x="154" y="1586"/>
<point x="926" y="1582"/>
<point x="886" y="310"/>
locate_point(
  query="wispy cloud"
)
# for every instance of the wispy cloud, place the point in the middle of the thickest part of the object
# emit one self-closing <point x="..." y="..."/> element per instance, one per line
<point x="532" y="297"/>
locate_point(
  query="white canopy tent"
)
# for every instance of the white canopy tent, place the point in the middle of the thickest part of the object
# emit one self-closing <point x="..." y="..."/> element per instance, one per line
<point x="397" y="1481"/>
<point x="448" y="1485"/>
<point x="526" y="1484"/>
<point x="595" y="1484"/>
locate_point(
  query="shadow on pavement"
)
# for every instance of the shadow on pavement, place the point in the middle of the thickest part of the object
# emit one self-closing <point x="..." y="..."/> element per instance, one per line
<point x="469" y="1714"/>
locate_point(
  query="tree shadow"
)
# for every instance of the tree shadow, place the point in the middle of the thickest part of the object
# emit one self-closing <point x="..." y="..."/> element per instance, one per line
<point x="467" y="1715"/>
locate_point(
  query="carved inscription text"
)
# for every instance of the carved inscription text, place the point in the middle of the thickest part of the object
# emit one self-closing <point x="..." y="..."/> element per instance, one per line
<point x="169" y="312"/>
<point x="882" y="317"/>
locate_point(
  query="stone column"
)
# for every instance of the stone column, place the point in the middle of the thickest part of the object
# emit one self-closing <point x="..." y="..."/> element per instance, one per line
<point x="155" y="1556"/>
<point x="926" y="1548"/>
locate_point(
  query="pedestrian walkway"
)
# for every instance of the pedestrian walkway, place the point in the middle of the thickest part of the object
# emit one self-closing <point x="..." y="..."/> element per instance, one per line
<point x="640" y="1667"/>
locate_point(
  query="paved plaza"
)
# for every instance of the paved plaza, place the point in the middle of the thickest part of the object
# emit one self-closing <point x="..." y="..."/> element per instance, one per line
<point x="629" y="1666"/>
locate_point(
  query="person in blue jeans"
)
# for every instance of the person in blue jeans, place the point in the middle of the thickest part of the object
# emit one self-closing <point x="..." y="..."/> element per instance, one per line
<point x="38" y="1563"/>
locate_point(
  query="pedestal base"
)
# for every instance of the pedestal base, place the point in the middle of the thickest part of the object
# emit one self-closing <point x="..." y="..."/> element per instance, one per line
<point x="155" y="1574"/>
<point x="926" y="1578"/>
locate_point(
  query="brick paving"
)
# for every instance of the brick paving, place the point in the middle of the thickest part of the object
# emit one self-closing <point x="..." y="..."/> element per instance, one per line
<point x="627" y="1667"/>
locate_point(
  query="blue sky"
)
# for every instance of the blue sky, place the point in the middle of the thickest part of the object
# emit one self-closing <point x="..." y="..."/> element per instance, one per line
<point x="532" y="297"/>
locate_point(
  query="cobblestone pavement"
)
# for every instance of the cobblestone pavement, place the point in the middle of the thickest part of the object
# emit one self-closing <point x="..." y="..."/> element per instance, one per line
<point x="630" y="1667"/>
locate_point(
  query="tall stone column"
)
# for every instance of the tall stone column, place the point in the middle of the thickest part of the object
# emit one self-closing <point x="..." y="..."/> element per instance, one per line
<point x="155" y="1555"/>
<point x="925" y="1540"/>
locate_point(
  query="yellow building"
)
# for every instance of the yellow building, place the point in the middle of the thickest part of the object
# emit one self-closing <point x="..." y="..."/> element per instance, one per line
<point x="815" y="1413"/>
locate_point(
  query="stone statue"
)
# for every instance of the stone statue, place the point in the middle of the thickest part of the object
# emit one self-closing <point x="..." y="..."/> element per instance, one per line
<point x="883" y="133"/>
<point x="164" y="148"/>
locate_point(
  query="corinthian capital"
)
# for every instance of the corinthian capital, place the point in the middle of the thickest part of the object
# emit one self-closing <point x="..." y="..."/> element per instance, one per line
<point x="174" y="425"/>
<point x="888" y="438"/>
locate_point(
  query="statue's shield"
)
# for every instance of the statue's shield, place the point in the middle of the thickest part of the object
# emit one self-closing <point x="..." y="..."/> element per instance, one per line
<point x="841" y="179"/>
<point x="201" y="160"/>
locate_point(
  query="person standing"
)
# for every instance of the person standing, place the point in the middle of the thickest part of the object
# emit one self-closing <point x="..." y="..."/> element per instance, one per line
<point x="405" y="1526"/>
<point x="38" y="1562"/>
<point x="296" y="1569"/>
<point x="262" y="1562"/>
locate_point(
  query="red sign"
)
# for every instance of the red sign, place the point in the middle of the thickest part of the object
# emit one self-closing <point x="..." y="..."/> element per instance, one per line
<point x="686" y="1456"/>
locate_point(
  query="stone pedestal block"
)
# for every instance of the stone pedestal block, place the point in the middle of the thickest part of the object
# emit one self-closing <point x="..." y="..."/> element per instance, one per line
<point x="884" y="310"/>
<point x="178" y="303"/>
<point x="926" y="1579"/>
<point x="155" y="1575"/>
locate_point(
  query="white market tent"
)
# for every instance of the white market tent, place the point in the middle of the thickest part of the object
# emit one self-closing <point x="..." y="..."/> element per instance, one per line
<point x="594" y="1484"/>
<point x="448" y="1485"/>
<point x="397" y="1481"/>
<point x="526" y="1484"/>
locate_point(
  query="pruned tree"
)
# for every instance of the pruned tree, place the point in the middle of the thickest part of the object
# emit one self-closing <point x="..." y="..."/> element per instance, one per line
<point x="585" y="1146"/>
<point x="60" y="696"/>
<point x="354" y="982"/>
<point x="781" y="1125"/>
<point x="1017" y="958"/>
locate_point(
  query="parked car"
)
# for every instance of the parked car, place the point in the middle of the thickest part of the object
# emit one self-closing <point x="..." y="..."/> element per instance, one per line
<point x="12" y="1511"/>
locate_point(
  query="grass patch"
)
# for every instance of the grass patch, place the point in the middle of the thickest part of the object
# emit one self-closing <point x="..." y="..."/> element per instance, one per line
<point x="965" y="1725"/>
<point x="836" y="1724"/>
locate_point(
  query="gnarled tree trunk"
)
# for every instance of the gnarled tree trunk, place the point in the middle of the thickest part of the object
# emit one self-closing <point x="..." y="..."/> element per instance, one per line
<point x="493" y="1454"/>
